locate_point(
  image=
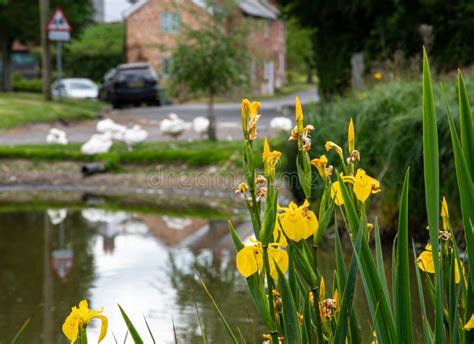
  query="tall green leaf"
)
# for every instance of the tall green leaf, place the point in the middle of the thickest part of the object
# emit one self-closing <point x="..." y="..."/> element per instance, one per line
<point x="404" y="316"/>
<point x="351" y="212"/>
<point x="466" y="192"/>
<point x="347" y="300"/>
<point x="232" y="336"/>
<point x="290" y="320"/>
<point x="379" y="305"/>
<point x="133" y="332"/>
<point x="431" y="173"/>
<point x="465" y="119"/>
<point x="427" y="331"/>
<point x="379" y="259"/>
<point x="21" y="331"/>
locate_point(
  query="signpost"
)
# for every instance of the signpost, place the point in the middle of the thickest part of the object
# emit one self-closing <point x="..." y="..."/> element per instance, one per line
<point x="59" y="30"/>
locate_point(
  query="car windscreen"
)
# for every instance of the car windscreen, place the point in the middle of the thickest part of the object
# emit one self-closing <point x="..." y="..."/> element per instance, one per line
<point x="80" y="86"/>
<point x="137" y="73"/>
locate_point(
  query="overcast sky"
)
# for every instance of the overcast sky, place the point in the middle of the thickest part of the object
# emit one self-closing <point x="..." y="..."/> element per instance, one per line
<point x="114" y="9"/>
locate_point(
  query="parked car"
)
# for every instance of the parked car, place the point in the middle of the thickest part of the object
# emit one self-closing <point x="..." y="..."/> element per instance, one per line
<point x="131" y="83"/>
<point x="77" y="88"/>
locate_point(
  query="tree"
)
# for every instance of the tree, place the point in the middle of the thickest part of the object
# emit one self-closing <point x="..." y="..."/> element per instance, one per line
<point x="211" y="59"/>
<point x="299" y="49"/>
<point x="98" y="48"/>
<point x="20" y="21"/>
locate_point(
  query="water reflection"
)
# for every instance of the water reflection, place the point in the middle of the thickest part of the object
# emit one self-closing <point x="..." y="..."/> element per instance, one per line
<point x="52" y="259"/>
<point x="148" y="263"/>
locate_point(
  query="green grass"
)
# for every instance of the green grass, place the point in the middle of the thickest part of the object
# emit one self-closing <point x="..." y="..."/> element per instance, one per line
<point x="199" y="153"/>
<point x="17" y="109"/>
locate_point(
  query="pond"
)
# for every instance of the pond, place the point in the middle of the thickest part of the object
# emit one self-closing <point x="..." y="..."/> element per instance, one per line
<point x="146" y="262"/>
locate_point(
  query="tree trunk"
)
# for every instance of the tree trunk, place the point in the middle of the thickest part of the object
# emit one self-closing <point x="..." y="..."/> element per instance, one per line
<point x="6" y="45"/>
<point x="309" y="71"/>
<point x="211" y="131"/>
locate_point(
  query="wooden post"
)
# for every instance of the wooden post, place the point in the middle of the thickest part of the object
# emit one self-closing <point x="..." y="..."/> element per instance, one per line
<point x="45" y="53"/>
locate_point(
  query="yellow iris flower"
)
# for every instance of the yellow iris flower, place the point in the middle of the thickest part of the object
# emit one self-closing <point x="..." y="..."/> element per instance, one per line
<point x="365" y="185"/>
<point x="298" y="110"/>
<point x="470" y="324"/>
<point x="445" y="214"/>
<point x="79" y="318"/>
<point x="250" y="117"/>
<point x="322" y="289"/>
<point x="425" y="263"/>
<point x="270" y="159"/>
<point x="298" y="223"/>
<point x="320" y="164"/>
<point x="250" y="260"/>
<point x="331" y="145"/>
<point x="351" y="137"/>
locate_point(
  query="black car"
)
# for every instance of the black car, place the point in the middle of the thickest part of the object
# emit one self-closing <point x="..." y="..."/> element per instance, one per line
<point x="131" y="83"/>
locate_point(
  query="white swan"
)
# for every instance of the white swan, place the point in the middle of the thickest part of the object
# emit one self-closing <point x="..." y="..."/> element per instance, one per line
<point x="56" y="216"/>
<point x="174" y="126"/>
<point x="281" y="124"/>
<point x="201" y="125"/>
<point x="109" y="126"/>
<point x="56" y="136"/>
<point x="98" y="143"/>
<point x="134" y="136"/>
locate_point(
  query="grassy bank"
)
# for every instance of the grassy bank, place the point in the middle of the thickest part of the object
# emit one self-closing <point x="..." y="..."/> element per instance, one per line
<point x="17" y="109"/>
<point x="198" y="153"/>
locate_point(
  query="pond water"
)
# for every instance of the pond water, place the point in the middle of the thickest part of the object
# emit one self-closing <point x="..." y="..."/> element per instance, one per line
<point x="50" y="260"/>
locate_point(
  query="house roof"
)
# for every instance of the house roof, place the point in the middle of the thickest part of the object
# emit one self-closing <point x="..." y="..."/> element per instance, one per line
<point x="135" y="7"/>
<point x="260" y="8"/>
<point x="254" y="8"/>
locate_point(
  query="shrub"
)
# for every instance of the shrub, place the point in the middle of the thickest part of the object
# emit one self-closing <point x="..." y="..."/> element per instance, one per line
<point x="25" y="85"/>
<point x="389" y="127"/>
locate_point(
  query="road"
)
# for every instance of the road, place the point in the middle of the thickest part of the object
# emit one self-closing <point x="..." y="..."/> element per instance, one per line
<point x="227" y="114"/>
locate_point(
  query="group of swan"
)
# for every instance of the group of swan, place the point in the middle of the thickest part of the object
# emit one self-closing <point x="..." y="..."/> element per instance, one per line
<point x="174" y="126"/>
<point x="111" y="131"/>
<point x="56" y="136"/>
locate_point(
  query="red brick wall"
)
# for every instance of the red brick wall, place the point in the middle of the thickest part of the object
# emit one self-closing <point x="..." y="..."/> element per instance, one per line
<point x="147" y="43"/>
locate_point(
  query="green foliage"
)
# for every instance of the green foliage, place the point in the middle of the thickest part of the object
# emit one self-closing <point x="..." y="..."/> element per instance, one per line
<point x="17" y="109"/>
<point x="20" y="18"/>
<point x="388" y="131"/>
<point x="299" y="48"/>
<point x="97" y="50"/>
<point x="380" y="29"/>
<point x="209" y="60"/>
<point x="26" y="85"/>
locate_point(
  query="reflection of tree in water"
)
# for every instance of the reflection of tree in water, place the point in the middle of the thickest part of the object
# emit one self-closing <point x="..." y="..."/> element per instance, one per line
<point x="22" y="273"/>
<point x="228" y="288"/>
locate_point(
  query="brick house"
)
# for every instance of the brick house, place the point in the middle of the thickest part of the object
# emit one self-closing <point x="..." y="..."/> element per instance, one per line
<point x="152" y="27"/>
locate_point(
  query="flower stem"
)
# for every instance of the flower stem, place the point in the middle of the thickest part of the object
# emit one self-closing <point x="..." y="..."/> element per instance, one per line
<point x="273" y="332"/>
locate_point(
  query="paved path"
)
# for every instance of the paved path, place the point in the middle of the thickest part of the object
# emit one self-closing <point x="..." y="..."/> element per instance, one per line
<point x="227" y="114"/>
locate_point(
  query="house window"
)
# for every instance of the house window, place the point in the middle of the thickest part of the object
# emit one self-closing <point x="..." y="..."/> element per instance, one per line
<point x="266" y="29"/>
<point x="165" y="67"/>
<point x="169" y="22"/>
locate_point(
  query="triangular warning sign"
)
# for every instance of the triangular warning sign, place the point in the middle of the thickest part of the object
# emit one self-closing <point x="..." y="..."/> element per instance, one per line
<point x="58" y="22"/>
